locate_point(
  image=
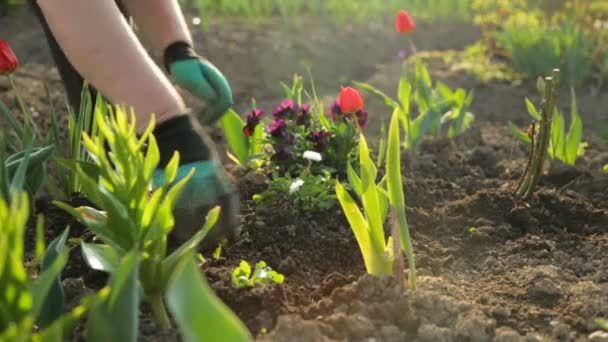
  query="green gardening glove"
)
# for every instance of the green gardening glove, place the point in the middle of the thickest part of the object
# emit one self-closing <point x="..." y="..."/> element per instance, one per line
<point x="201" y="78"/>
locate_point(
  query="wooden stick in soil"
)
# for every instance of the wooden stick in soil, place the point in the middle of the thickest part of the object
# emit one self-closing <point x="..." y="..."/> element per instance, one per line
<point x="524" y="175"/>
<point x="544" y="135"/>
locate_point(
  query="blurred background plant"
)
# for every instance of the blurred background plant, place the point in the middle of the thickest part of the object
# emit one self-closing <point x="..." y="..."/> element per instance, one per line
<point x="7" y="5"/>
<point x="564" y="145"/>
<point x="338" y="10"/>
<point x="537" y="36"/>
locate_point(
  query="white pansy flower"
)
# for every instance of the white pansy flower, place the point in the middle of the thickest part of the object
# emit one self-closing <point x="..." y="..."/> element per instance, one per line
<point x="295" y="185"/>
<point x="312" y="155"/>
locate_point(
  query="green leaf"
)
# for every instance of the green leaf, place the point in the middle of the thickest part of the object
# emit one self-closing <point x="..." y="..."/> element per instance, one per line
<point x="241" y="275"/>
<point x="357" y="223"/>
<point x="100" y="257"/>
<point x="199" y="314"/>
<point x="353" y="179"/>
<point x="444" y="90"/>
<point x="116" y="318"/>
<point x="575" y="133"/>
<point x="52" y="306"/>
<point x="171" y="261"/>
<point x="369" y="195"/>
<point x="557" y="142"/>
<point x="257" y="140"/>
<point x="152" y="158"/>
<point x="420" y="126"/>
<point x="405" y="91"/>
<point x="393" y="165"/>
<point x="387" y="100"/>
<point x="170" y="170"/>
<point x="519" y="134"/>
<point x="17" y="181"/>
<point x="41" y="287"/>
<point x="532" y="110"/>
<point x="383" y="199"/>
<point x="233" y="129"/>
<point x="381" y="145"/>
<point x="397" y="197"/>
<point x="94" y="220"/>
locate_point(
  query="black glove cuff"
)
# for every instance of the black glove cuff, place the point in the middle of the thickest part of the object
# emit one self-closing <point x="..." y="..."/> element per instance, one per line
<point x="185" y="135"/>
<point x="177" y="51"/>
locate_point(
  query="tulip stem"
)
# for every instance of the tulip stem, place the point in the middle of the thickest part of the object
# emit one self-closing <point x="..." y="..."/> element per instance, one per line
<point x="412" y="46"/>
<point x="160" y="312"/>
<point x="29" y="122"/>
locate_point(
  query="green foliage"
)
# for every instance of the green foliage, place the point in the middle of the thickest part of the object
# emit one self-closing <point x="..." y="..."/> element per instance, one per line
<point x="307" y="193"/>
<point x="51" y="146"/>
<point x="565" y="146"/>
<point x="377" y="200"/>
<point x="32" y="309"/>
<point x="475" y="60"/>
<point x="69" y="181"/>
<point x="536" y="47"/>
<point x="196" y="324"/>
<point x="368" y="226"/>
<point x="25" y="170"/>
<point x="340" y="11"/>
<point x="245" y="150"/>
<point x="262" y="274"/>
<point x="538" y="36"/>
<point x="437" y="106"/>
<point x="7" y="5"/>
<point x="281" y="153"/>
<point x="397" y="197"/>
<point x="133" y="223"/>
<point x="116" y="317"/>
<point x="602" y="323"/>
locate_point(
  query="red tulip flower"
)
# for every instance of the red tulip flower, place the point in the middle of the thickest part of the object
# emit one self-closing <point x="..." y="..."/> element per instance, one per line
<point x="8" y="60"/>
<point x="350" y="100"/>
<point x="404" y="23"/>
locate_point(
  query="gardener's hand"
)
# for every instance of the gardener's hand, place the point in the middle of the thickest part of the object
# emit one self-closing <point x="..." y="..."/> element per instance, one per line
<point x="209" y="186"/>
<point x="201" y="78"/>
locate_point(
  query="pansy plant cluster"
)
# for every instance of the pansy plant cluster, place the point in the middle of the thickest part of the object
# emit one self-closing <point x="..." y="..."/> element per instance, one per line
<point x="299" y="147"/>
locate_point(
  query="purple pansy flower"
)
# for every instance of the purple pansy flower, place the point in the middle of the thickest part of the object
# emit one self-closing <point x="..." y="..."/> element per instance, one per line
<point x="334" y="110"/>
<point x="303" y="117"/>
<point x="253" y="120"/>
<point x="282" y="152"/>
<point x="319" y="138"/>
<point x="285" y="109"/>
<point x="362" y="118"/>
<point x="278" y="128"/>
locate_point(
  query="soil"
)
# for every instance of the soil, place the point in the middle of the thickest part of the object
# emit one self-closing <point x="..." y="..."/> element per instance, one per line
<point x="491" y="268"/>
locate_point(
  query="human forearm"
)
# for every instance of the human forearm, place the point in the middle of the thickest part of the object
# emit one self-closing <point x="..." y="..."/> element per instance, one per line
<point x="98" y="42"/>
<point x="160" y="21"/>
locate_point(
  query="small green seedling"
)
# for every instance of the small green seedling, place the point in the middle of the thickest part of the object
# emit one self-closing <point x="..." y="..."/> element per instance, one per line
<point x="262" y="275"/>
<point x="565" y="146"/>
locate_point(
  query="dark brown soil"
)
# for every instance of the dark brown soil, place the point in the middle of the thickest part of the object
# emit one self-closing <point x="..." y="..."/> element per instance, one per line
<point x="533" y="271"/>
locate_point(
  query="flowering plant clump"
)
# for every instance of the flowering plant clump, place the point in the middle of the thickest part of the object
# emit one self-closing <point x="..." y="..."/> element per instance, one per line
<point x="297" y="146"/>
